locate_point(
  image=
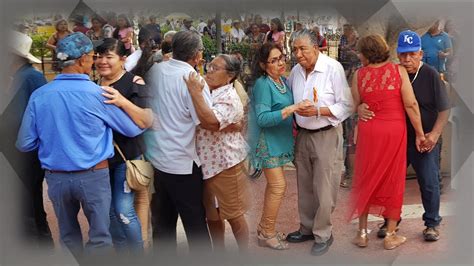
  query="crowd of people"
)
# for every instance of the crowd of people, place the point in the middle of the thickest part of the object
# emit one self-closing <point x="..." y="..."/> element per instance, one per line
<point x="360" y="115"/>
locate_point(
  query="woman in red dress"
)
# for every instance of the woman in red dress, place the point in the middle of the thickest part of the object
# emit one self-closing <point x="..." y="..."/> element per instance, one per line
<point x="380" y="167"/>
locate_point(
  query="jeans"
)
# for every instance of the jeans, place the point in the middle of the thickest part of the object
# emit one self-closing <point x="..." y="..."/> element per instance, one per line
<point x="426" y="166"/>
<point x="91" y="190"/>
<point x="125" y="226"/>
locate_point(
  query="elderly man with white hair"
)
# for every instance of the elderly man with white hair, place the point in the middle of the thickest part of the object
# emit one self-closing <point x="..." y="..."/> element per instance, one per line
<point x="318" y="149"/>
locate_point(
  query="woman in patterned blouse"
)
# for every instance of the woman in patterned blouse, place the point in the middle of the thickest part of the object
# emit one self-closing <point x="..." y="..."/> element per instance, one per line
<point x="222" y="150"/>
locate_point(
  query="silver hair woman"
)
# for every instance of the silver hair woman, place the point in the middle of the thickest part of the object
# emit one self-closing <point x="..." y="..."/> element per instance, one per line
<point x="222" y="152"/>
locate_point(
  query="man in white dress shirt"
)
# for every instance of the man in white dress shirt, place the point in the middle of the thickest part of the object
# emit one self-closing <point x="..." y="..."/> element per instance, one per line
<point x="318" y="149"/>
<point x="172" y="150"/>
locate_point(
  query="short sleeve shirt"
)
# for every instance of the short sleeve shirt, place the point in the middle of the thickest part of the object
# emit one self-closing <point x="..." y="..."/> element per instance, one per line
<point x="172" y="148"/>
<point x="432" y="98"/>
<point x="219" y="151"/>
<point x="431" y="46"/>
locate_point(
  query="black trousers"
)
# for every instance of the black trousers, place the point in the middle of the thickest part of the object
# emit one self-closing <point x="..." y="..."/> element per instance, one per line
<point x="179" y="194"/>
<point x="33" y="213"/>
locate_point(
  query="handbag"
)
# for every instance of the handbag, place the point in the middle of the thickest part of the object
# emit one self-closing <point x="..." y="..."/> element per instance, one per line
<point x="139" y="172"/>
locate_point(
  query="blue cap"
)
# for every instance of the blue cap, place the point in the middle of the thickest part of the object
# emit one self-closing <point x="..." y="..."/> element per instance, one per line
<point x="408" y="41"/>
<point x="73" y="46"/>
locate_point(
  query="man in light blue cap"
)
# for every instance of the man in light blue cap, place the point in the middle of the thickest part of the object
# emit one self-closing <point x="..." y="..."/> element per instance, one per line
<point x="71" y="126"/>
<point x="430" y="92"/>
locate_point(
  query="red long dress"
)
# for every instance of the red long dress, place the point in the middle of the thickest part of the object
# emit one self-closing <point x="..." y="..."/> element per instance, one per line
<point x="380" y="164"/>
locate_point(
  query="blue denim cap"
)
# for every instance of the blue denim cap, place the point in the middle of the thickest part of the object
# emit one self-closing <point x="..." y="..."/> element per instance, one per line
<point x="73" y="46"/>
<point x="408" y="41"/>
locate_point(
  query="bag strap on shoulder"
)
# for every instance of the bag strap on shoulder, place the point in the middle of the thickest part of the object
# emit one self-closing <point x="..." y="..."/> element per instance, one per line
<point x="120" y="151"/>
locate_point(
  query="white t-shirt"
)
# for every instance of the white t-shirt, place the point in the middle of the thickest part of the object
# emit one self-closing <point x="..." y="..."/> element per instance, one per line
<point x="239" y="34"/>
<point x="132" y="60"/>
<point x="201" y="27"/>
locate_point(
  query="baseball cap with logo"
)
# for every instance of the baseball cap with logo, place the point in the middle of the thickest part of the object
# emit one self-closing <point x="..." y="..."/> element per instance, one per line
<point x="73" y="46"/>
<point x="408" y="41"/>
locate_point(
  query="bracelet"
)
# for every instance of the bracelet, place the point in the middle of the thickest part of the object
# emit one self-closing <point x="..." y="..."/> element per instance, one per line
<point x="319" y="112"/>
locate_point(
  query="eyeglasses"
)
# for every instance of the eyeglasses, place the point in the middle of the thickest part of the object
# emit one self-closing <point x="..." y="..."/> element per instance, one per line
<point x="212" y="68"/>
<point x="281" y="58"/>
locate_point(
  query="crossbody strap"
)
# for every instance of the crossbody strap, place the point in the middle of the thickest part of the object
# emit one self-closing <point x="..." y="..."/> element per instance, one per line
<point x="121" y="154"/>
<point x="120" y="151"/>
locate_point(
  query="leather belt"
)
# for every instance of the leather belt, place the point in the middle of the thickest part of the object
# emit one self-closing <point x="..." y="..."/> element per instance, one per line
<point x="317" y="130"/>
<point x="101" y="165"/>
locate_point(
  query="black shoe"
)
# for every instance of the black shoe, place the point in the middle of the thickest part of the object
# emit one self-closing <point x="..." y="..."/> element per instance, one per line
<point x="297" y="237"/>
<point x="383" y="229"/>
<point x="319" y="249"/>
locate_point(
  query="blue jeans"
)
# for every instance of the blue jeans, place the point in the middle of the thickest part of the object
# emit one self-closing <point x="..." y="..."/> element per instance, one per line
<point x="91" y="189"/>
<point x="426" y="166"/>
<point x="124" y="224"/>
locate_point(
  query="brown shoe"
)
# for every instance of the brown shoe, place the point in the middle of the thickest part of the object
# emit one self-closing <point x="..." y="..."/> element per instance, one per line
<point x="361" y="239"/>
<point x="392" y="240"/>
<point x="431" y="234"/>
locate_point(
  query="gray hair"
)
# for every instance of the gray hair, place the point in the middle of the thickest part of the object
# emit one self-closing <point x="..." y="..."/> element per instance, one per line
<point x="186" y="45"/>
<point x="63" y="64"/>
<point x="305" y="33"/>
<point x="170" y="33"/>
<point x="233" y="65"/>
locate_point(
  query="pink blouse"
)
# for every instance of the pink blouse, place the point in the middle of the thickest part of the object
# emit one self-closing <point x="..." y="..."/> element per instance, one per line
<point x="278" y="37"/>
<point x="124" y="33"/>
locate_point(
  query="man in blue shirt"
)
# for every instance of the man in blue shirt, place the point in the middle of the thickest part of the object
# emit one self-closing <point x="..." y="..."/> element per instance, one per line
<point x="436" y="46"/>
<point x="71" y="126"/>
<point x="25" y="79"/>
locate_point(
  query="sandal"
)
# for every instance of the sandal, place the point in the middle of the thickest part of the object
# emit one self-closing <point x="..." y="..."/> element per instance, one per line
<point x="361" y="239"/>
<point x="281" y="236"/>
<point x="273" y="242"/>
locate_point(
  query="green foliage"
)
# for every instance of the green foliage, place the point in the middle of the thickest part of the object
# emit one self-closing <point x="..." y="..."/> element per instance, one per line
<point x="243" y="48"/>
<point x="38" y="47"/>
<point x="210" y="47"/>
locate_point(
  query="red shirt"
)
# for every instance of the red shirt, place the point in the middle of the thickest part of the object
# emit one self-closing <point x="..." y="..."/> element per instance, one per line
<point x="80" y="28"/>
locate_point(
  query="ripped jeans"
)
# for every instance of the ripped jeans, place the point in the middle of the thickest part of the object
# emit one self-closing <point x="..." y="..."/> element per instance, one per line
<point x="125" y="226"/>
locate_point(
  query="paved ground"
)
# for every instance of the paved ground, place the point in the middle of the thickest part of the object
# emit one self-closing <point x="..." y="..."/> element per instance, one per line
<point x="341" y="250"/>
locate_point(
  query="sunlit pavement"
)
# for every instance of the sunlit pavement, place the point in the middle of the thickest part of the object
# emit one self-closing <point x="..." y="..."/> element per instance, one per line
<point x="341" y="250"/>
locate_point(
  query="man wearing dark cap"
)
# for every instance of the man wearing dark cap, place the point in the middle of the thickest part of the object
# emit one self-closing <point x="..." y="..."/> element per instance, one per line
<point x="71" y="126"/>
<point x="432" y="97"/>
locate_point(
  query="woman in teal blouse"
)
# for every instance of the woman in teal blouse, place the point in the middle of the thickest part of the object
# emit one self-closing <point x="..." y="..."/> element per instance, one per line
<point x="271" y="136"/>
